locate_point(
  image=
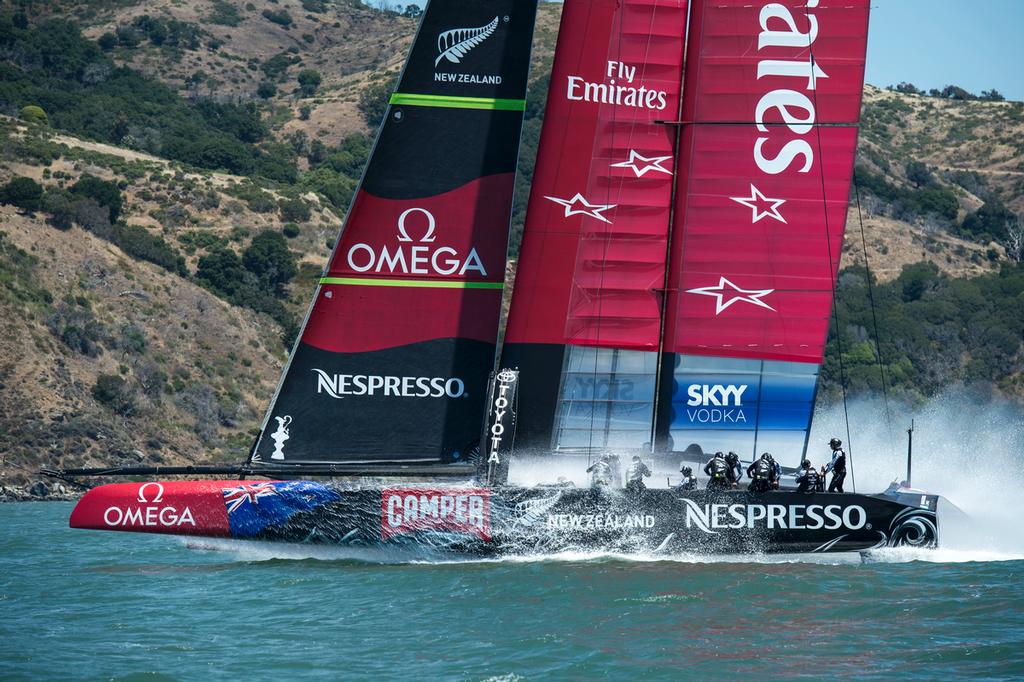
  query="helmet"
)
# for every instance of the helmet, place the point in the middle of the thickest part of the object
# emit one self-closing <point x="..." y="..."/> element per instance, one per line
<point x="686" y="471"/>
<point x="806" y="464"/>
<point x="636" y="458"/>
<point x="719" y="454"/>
<point x="835" y="442"/>
<point x="766" y="457"/>
<point x="732" y="457"/>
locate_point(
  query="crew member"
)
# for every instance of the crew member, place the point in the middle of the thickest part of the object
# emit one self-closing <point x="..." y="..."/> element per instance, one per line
<point x="718" y="471"/>
<point x="635" y="475"/>
<point x="601" y="472"/>
<point x="762" y="474"/>
<point x="689" y="481"/>
<point x="837" y="466"/>
<point x="807" y="479"/>
<point x="735" y="468"/>
<point x="776" y="471"/>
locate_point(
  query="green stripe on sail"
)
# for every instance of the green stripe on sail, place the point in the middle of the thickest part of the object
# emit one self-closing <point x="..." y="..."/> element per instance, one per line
<point x="420" y="283"/>
<point x="458" y="102"/>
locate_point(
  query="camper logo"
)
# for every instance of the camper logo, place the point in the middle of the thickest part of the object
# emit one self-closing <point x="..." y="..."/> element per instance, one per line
<point x="416" y="252"/>
<point x="454" y="44"/>
<point x="441" y="510"/>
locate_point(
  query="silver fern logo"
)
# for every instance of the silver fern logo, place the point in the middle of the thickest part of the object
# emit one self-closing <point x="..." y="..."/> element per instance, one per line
<point x="455" y="43"/>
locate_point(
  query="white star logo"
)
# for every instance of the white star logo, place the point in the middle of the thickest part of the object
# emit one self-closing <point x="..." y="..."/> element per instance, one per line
<point x="757" y="201"/>
<point x="649" y="164"/>
<point x="728" y="293"/>
<point x="572" y="207"/>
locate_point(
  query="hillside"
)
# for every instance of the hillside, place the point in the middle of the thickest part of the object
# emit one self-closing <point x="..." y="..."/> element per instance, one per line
<point x="192" y="188"/>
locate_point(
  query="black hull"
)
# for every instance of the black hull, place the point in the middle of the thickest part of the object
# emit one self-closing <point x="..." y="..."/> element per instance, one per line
<point x="517" y="521"/>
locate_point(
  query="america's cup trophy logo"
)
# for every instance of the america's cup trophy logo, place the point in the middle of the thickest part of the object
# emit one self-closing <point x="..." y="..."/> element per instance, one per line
<point x="280" y="436"/>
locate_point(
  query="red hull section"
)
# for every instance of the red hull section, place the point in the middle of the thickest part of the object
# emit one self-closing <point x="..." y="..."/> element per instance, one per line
<point x="173" y="508"/>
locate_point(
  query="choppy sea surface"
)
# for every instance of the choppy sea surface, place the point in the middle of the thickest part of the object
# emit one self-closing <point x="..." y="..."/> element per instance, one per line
<point x="101" y="605"/>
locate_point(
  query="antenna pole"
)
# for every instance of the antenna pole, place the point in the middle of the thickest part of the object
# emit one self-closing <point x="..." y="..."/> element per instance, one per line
<point x="910" y="449"/>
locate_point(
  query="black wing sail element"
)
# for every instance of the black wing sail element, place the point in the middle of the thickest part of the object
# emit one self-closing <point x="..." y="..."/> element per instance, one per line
<point x="393" y="359"/>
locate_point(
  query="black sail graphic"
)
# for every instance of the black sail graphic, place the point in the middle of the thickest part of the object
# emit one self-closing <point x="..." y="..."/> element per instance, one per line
<point x="393" y="359"/>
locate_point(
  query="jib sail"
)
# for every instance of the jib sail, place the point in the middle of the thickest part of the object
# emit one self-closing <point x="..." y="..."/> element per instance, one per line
<point x="770" y="111"/>
<point x="393" y="360"/>
<point x="585" y="316"/>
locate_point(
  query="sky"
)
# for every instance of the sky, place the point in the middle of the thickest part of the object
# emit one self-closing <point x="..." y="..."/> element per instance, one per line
<point x="976" y="44"/>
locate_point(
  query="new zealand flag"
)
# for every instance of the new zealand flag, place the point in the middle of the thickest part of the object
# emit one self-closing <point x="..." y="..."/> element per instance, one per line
<point x="253" y="507"/>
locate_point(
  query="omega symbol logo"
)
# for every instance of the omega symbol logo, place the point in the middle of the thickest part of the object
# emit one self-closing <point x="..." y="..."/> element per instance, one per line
<point x="403" y="234"/>
<point x="159" y="497"/>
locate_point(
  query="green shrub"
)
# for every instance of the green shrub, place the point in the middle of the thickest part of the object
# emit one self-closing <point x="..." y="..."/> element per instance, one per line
<point x="280" y="17"/>
<point x="34" y="114"/>
<point x="103" y="192"/>
<point x="290" y="230"/>
<point x="25" y="193"/>
<point x="294" y="210"/>
<point x="309" y="81"/>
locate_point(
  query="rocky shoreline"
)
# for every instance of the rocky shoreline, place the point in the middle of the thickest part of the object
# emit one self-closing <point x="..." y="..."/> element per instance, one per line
<point x="38" y="491"/>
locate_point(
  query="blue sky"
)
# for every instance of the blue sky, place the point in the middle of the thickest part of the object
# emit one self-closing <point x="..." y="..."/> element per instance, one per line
<point x="976" y="44"/>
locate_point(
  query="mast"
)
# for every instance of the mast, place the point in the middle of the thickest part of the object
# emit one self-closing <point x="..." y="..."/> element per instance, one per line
<point x="585" y="318"/>
<point x="392" y="361"/>
<point x="769" y="130"/>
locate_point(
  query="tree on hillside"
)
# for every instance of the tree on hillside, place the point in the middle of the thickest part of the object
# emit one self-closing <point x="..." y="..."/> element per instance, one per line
<point x="103" y="192"/>
<point x="34" y="114"/>
<point x="992" y="95"/>
<point x="25" y="193"/>
<point x="269" y="259"/>
<point x="373" y="100"/>
<point x="309" y="81"/>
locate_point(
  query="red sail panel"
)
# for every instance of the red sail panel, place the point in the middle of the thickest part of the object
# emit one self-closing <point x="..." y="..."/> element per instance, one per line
<point x="771" y="104"/>
<point x="593" y="253"/>
<point x="585" y="318"/>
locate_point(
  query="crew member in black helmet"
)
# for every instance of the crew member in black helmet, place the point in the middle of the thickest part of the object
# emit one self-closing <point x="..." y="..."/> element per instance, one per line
<point x="718" y="470"/>
<point x="735" y="468"/>
<point x="837" y="466"/>
<point x="635" y="475"/>
<point x="807" y="478"/>
<point x="689" y="481"/>
<point x="762" y="474"/>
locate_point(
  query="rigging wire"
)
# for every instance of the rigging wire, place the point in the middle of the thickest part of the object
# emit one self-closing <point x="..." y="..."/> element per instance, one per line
<point x="874" y="318"/>
<point x="832" y="277"/>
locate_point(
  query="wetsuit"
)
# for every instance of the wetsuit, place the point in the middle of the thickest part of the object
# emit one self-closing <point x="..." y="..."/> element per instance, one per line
<point x="720" y="477"/>
<point x="688" y="483"/>
<point x="807" y="480"/>
<point x="600" y="473"/>
<point x="635" y="476"/>
<point x="838" y="468"/>
<point x="762" y="474"/>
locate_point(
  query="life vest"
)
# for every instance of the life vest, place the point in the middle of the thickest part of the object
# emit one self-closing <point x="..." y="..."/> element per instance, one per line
<point x="762" y="470"/>
<point x="718" y="467"/>
<point x="840" y="466"/>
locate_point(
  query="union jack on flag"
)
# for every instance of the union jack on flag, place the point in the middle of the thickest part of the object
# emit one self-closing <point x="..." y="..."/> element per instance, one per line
<point x="249" y="493"/>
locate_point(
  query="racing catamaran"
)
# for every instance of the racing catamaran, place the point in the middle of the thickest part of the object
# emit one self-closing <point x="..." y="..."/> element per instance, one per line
<point x="672" y="297"/>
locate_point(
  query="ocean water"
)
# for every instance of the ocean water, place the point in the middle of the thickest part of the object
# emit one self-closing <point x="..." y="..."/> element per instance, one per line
<point x="120" y="606"/>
